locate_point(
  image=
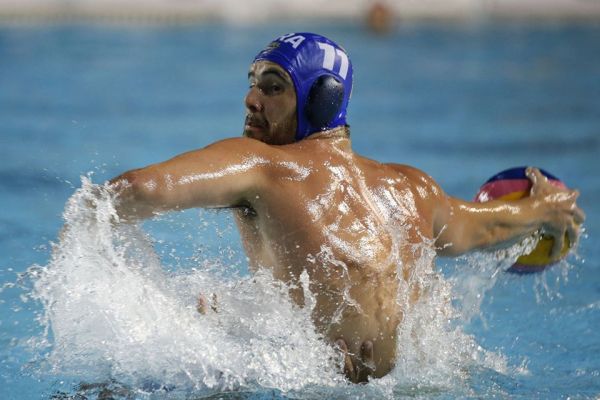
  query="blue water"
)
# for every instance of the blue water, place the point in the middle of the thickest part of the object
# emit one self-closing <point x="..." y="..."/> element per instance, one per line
<point x="460" y="102"/>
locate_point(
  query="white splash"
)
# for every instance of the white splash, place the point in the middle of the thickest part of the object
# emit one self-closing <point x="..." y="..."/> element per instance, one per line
<point x="113" y="312"/>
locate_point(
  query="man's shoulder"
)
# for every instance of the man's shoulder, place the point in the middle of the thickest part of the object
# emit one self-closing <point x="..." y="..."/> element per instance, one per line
<point x="415" y="176"/>
<point x="240" y="143"/>
<point x="408" y="171"/>
<point x="246" y="147"/>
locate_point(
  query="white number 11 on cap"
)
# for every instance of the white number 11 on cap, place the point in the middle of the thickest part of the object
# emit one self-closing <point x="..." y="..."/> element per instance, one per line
<point x="329" y="58"/>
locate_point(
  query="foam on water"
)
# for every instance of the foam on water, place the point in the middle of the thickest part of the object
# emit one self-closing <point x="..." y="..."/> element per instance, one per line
<point x="113" y="312"/>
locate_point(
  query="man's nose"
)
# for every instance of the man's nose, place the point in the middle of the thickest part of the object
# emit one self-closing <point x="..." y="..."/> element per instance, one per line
<point x="253" y="100"/>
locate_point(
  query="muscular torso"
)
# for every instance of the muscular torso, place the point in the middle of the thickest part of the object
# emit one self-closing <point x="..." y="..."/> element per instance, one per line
<point x="352" y="224"/>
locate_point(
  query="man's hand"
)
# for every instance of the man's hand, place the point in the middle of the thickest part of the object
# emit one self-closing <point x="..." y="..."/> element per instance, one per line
<point x="357" y="371"/>
<point x="461" y="226"/>
<point x="561" y="214"/>
<point x="202" y="305"/>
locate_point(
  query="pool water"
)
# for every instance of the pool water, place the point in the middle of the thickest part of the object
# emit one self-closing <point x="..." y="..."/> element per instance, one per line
<point x="94" y="313"/>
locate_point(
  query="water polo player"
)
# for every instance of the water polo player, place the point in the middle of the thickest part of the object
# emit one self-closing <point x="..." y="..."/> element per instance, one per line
<point x="306" y="205"/>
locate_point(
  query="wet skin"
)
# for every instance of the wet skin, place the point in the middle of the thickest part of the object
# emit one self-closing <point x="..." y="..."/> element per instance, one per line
<point x="355" y="226"/>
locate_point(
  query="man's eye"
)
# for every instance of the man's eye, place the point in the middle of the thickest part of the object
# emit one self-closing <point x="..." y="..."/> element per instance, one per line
<point x="276" y="88"/>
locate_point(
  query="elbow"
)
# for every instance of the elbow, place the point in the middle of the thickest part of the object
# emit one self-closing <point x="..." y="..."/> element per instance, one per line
<point x="136" y="194"/>
<point x="130" y="185"/>
<point x="122" y="181"/>
<point x="446" y="243"/>
<point x="458" y="242"/>
<point x="448" y="238"/>
<point x="456" y="239"/>
<point x="450" y="249"/>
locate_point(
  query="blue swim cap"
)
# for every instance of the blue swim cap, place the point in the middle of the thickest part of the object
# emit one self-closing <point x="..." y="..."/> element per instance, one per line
<point x="322" y="75"/>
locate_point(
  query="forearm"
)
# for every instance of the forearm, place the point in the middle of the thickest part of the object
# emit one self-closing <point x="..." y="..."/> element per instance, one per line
<point x="473" y="226"/>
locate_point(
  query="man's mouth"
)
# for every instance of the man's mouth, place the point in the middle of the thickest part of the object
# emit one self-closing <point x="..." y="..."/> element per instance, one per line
<point x="254" y="125"/>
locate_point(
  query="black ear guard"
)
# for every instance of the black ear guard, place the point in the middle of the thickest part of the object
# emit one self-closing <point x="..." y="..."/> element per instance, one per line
<point x="324" y="101"/>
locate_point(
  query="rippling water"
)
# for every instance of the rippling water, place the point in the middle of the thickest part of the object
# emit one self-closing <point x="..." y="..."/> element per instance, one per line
<point x="113" y="309"/>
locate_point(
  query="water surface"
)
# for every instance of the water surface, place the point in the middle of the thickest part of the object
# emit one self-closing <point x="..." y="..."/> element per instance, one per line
<point x="459" y="102"/>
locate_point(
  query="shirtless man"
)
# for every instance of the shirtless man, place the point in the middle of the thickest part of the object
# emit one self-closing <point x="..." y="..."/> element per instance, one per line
<point x="304" y="201"/>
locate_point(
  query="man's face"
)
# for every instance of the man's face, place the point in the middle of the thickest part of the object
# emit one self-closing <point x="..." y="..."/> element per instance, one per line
<point x="270" y="104"/>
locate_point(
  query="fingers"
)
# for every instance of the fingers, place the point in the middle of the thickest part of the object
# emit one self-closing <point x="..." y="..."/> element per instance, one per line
<point x="531" y="173"/>
<point x="563" y="216"/>
<point x="577" y="213"/>
<point x="578" y="216"/>
<point x="366" y="352"/>
<point x="568" y="238"/>
<point x="559" y="241"/>
<point x="360" y="370"/>
<point x="535" y="174"/>
<point x="202" y="304"/>
<point x="569" y="230"/>
<point x="368" y="363"/>
<point x="213" y="306"/>
<point x="573" y="234"/>
<point x="575" y="194"/>
<point x="536" y="177"/>
<point x="349" y="369"/>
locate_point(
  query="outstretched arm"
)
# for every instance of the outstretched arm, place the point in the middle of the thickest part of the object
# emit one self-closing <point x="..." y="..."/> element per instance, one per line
<point x="225" y="174"/>
<point x="461" y="226"/>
